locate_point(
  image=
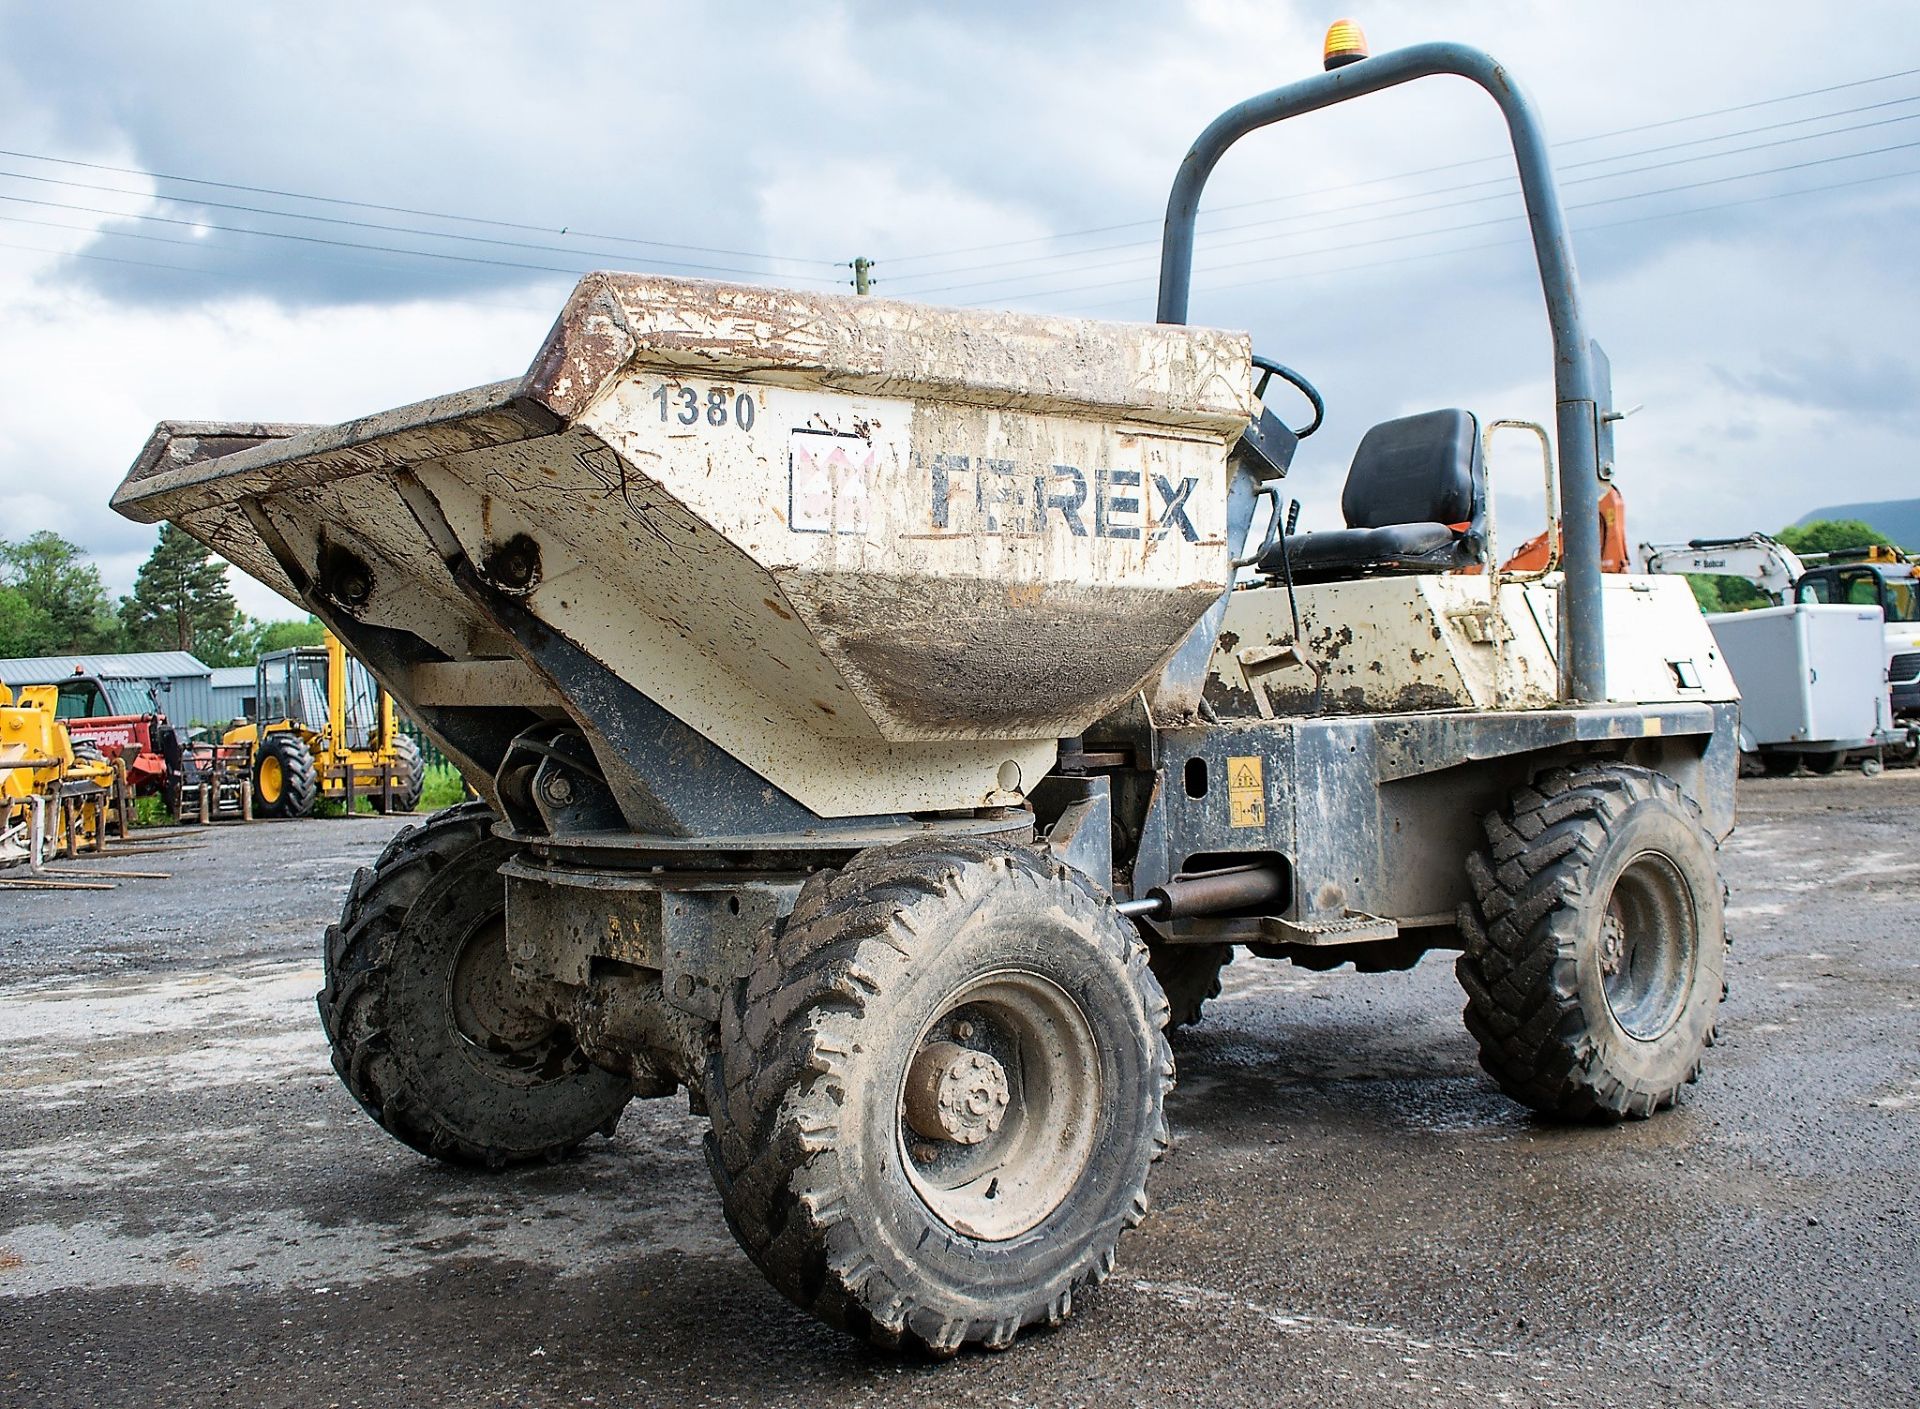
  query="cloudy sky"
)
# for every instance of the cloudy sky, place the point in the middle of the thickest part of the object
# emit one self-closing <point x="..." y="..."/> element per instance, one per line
<point x="224" y="211"/>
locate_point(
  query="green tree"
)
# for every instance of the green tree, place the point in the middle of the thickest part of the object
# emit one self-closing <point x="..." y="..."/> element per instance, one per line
<point x="1716" y="593"/>
<point x="20" y="626"/>
<point x="253" y="638"/>
<point x="281" y="634"/>
<point x="181" y="601"/>
<point x="52" y="600"/>
<point x="1832" y="536"/>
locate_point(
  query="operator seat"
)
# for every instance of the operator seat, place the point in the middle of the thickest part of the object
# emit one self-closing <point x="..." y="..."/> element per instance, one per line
<point x="1415" y="501"/>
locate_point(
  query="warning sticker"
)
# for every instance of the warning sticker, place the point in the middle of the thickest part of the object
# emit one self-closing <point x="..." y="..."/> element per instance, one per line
<point x="1246" y="792"/>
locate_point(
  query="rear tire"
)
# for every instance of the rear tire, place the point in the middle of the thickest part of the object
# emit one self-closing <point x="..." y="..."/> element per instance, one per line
<point x="1596" y="945"/>
<point x="1779" y="765"/>
<point x="1824" y="764"/>
<point x="412" y="769"/>
<point x="419" y="1008"/>
<point x="284" y="781"/>
<point x="1189" y="974"/>
<point x="938" y="1094"/>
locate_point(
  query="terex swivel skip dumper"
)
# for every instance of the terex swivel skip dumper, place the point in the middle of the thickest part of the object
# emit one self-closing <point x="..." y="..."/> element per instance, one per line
<point x="872" y="739"/>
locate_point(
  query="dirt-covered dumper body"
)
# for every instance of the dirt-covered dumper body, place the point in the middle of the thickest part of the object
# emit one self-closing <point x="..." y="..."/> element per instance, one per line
<point x="873" y="742"/>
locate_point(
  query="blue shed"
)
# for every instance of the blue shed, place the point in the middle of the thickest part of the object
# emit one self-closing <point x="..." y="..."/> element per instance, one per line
<point x="232" y="692"/>
<point x="183" y="684"/>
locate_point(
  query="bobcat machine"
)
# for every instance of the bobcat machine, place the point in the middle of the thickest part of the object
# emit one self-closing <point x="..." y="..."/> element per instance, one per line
<point x="325" y="729"/>
<point x="887" y="721"/>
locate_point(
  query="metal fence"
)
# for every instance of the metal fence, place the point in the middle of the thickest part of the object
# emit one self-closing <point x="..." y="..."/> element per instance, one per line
<point x="444" y="783"/>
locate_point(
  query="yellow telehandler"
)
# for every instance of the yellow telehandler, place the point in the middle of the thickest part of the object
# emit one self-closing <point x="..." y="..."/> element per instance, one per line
<point x="58" y="794"/>
<point x="323" y="728"/>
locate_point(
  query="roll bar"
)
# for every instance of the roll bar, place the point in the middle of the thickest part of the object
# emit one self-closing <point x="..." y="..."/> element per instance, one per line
<point x="1583" y="675"/>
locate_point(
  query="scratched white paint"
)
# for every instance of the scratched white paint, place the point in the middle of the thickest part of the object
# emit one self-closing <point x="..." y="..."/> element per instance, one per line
<point x="1424" y="642"/>
<point x="878" y="552"/>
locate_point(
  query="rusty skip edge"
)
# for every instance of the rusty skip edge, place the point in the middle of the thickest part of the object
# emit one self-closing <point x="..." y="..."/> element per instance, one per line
<point x="1194" y="379"/>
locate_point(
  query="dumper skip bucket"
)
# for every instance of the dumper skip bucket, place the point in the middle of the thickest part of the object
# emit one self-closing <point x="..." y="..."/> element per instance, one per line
<point x="879" y="552"/>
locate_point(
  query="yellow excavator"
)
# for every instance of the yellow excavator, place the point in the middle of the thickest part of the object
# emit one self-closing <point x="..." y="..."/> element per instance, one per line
<point x="57" y="794"/>
<point x="322" y="727"/>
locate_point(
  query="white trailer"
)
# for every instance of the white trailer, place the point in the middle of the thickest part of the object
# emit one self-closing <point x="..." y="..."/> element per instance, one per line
<point x="1810" y="689"/>
<point x="1812" y="682"/>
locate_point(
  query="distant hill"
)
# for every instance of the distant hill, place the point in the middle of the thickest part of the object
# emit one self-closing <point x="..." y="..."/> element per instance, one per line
<point x="1899" y="519"/>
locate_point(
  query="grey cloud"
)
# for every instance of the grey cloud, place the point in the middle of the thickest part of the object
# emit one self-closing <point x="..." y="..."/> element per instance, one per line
<point x="672" y="124"/>
<point x="650" y="123"/>
<point x="1837" y="381"/>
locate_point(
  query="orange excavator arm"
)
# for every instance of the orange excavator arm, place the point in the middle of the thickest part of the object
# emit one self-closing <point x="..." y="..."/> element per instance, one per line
<point x="1532" y="555"/>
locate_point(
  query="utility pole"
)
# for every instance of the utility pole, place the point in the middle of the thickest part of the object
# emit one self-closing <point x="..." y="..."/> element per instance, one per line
<point x="862" y="271"/>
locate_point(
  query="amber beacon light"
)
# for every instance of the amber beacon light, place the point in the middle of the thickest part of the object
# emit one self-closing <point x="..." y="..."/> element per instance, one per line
<point x="1346" y="44"/>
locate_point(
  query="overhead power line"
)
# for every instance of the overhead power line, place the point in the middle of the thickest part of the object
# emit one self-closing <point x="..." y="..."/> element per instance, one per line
<point x="1155" y="221"/>
<point x="399" y="209"/>
<point x="1510" y="219"/>
<point x="489" y="306"/>
<point x="1213" y="245"/>
<point x="377" y="226"/>
<point x="106" y="258"/>
<point x="1583" y="230"/>
<point x="200" y="247"/>
<point x="286" y="235"/>
<point x="442" y="255"/>
<point x="1596" y="227"/>
<point x="450" y="258"/>
<point x="1504" y="182"/>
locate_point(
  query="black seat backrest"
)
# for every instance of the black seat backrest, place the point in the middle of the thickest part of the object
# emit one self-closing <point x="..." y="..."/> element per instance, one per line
<point x="1418" y="469"/>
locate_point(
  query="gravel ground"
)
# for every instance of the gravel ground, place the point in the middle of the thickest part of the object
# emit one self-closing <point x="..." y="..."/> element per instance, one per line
<point x="192" y="1210"/>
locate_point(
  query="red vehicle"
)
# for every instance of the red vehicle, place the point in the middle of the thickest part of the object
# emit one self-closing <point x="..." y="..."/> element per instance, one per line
<point x="124" y="718"/>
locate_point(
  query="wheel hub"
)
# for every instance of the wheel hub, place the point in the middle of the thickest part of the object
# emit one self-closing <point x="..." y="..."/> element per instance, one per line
<point x="1648" y="943"/>
<point x="956" y="1093"/>
<point x="1613" y="944"/>
<point x="999" y="1106"/>
<point x="488" y="1004"/>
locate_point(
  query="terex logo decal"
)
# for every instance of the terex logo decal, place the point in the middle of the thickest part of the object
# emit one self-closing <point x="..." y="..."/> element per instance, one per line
<point x="1001" y="496"/>
<point x="828" y="482"/>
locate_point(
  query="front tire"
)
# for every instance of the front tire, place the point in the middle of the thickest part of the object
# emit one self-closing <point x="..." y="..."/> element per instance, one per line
<point x="413" y="772"/>
<point x="938" y="1094"/>
<point x="420" y="1008"/>
<point x="1596" y="945"/>
<point x="285" y="783"/>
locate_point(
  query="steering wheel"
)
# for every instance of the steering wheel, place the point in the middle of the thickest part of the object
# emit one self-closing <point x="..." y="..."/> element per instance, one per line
<point x="1271" y="369"/>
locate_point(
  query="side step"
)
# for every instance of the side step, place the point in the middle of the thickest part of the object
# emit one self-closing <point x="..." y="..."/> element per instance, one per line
<point x="1353" y="928"/>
